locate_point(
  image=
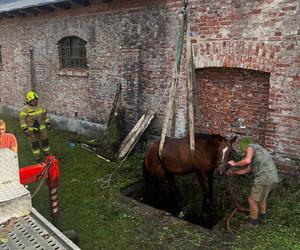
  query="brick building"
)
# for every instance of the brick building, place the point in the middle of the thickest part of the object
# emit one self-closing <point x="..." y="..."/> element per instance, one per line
<point x="75" y="53"/>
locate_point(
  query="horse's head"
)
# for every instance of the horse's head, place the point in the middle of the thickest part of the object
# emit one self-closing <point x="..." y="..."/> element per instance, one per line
<point x="225" y="150"/>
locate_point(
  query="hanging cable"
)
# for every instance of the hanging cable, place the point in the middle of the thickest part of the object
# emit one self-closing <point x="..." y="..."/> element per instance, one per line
<point x="106" y="180"/>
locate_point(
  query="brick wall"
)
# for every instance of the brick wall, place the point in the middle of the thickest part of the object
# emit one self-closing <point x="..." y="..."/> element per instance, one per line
<point x="241" y="49"/>
<point x="125" y="42"/>
<point x="261" y="36"/>
<point x="233" y="100"/>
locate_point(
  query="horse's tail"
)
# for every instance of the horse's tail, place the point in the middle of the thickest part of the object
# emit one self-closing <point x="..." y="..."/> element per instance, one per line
<point x="148" y="183"/>
<point x="151" y="161"/>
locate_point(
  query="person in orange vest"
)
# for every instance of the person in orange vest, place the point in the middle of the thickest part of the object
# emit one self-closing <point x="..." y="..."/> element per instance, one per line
<point x="35" y="124"/>
<point x="7" y="140"/>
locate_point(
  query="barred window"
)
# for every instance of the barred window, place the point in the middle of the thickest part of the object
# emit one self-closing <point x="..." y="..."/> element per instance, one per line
<point x="72" y="52"/>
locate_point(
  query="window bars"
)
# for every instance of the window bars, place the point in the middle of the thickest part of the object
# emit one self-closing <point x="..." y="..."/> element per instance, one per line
<point x="72" y="52"/>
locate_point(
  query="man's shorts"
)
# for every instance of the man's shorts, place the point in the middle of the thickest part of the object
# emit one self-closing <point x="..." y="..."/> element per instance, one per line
<point x="261" y="192"/>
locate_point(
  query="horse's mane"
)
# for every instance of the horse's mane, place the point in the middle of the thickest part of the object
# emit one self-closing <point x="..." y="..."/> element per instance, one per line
<point x="209" y="137"/>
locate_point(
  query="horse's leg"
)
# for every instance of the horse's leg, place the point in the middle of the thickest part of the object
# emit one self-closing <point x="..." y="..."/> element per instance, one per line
<point x="154" y="176"/>
<point x="209" y="176"/>
<point x="206" y="216"/>
<point x="203" y="180"/>
<point x="164" y="191"/>
<point x="172" y="193"/>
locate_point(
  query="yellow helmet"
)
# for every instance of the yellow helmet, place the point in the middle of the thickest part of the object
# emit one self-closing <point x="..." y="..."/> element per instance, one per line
<point x="31" y="95"/>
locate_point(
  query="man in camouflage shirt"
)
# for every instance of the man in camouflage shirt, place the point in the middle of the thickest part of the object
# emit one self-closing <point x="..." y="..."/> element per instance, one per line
<point x="259" y="160"/>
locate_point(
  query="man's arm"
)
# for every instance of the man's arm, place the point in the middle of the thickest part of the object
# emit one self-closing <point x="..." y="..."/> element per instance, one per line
<point x="22" y="117"/>
<point x="246" y="161"/>
<point x="245" y="170"/>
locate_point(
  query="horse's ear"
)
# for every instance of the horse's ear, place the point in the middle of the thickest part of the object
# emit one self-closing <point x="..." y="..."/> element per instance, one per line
<point x="232" y="140"/>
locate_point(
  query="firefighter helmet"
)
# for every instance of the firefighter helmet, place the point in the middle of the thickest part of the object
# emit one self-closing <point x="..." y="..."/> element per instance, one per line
<point x="31" y="95"/>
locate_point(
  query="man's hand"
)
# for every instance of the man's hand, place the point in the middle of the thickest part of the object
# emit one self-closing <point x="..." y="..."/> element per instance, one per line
<point x="26" y="132"/>
<point x="232" y="163"/>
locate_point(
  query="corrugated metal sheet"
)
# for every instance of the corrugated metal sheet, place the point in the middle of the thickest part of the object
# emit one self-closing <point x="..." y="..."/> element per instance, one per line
<point x="6" y="6"/>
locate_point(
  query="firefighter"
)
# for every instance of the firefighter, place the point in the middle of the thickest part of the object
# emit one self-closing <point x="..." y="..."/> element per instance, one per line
<point x="35" y="125"/>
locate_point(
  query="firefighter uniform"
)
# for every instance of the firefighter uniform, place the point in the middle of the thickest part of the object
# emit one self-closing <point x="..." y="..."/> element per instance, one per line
<point x="35" y="124"/>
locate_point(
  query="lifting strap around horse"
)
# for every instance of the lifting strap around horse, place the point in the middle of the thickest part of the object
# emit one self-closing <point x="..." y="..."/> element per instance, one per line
<point x="190" y="84"/>
<point x="175" y="78"/>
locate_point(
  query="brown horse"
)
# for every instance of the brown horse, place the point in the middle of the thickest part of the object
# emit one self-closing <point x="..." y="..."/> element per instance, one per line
<point x="211" y="152"/>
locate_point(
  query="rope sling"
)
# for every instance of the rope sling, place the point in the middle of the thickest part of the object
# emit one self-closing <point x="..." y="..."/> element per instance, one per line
<point x="106" y="180"/>
<point x="183" y="28"/>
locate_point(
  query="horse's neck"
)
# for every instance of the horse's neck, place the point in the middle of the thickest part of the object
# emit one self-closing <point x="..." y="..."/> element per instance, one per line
<point x="207" y="148"/>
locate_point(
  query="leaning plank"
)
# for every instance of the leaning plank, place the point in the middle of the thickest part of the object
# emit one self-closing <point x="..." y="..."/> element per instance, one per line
<point x="114" y="108"/>
<point x="135" y="134"/>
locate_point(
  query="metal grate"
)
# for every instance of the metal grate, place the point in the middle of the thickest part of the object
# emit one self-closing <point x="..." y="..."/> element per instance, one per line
<point x="72" y="52"/>
<point x="15" y="199"/>
<point x="34" y="232"/>
<point x="12" y="190"/>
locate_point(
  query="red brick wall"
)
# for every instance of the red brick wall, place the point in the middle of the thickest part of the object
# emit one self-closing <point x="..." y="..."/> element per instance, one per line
<point x="233" y="100"/>
<point x="126" y="42"/>
<point x="132" y="42"/>
<point x="262" y="36"/>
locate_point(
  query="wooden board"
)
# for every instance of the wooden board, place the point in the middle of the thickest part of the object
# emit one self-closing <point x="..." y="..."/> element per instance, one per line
<point x="134" y="135"/>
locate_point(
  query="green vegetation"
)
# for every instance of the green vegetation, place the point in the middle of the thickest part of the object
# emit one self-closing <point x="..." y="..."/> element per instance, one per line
<point x="104" y="219"/>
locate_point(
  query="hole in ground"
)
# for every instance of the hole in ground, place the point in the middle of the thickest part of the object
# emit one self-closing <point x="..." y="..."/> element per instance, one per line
<point x="189" y="206"/>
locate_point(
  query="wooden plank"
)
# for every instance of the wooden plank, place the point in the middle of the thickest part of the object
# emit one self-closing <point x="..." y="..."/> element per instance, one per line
<point x="114" y="108"/>
<point x="134" y="135"/>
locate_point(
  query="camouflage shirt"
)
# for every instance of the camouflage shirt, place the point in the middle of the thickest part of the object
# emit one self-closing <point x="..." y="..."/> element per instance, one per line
<point x="265" y="170"/>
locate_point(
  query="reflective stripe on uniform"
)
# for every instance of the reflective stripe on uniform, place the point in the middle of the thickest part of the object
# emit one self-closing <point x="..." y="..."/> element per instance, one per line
<point x="42" y="127"/>
<point x="23" y="114"/>
<point x="36" y="151"/>
<point x="40" y="111"/>
<point x="32" y="128"/>
<point x="47" y="149"/>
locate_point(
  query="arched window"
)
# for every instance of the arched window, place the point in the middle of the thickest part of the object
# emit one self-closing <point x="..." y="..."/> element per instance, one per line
<point x="72" y="52"/>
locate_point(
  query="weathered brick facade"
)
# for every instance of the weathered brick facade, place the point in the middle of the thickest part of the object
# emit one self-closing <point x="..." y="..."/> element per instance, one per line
<point x="246" y="53"/>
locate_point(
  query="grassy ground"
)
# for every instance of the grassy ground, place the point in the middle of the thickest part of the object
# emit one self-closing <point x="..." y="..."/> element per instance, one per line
<point x="104" y="219"/>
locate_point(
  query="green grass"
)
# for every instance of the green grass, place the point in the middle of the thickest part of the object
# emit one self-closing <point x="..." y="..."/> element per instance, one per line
<point x="105" y="220"/>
